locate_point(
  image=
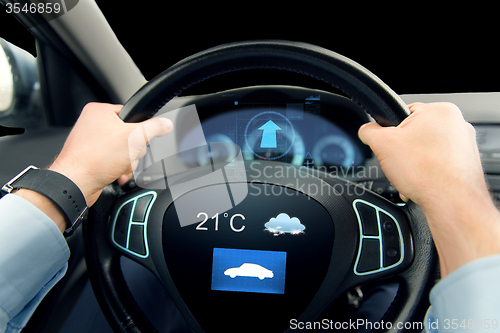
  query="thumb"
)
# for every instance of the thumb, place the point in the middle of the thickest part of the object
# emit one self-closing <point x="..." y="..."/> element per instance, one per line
<point x="156" y="127"/>
<point x="369" y="132"/>
<point x="145" y="132"/>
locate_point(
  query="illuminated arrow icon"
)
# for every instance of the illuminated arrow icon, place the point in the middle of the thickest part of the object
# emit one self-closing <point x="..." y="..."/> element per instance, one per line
<point x="269" y="134"/>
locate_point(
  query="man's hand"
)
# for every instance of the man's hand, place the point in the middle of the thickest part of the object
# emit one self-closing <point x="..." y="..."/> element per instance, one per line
<point x="432" y="154"/>
<point x="98" y="152"/>
<point x="432" y="158"/>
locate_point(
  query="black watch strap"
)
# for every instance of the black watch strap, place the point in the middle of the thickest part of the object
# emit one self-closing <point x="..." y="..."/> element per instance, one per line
<point x="58" y="188"/>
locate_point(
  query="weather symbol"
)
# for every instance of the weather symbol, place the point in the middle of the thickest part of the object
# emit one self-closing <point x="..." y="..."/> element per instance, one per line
<point x="269" y="134"/>
<point x="283" y="223"/>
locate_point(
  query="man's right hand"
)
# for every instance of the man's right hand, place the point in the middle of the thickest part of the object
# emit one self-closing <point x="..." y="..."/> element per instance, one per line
<point x="432" y="158"/>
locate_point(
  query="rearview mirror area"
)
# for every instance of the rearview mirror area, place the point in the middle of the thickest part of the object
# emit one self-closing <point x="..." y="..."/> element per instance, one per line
<point x="20" y="98"/>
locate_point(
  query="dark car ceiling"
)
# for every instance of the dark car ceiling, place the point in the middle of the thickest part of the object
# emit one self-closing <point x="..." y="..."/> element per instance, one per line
<point x="411" y="53"/>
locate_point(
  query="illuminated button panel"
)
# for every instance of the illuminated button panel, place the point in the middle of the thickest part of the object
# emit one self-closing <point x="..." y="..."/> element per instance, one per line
<point x="381" y="244"/>
<point x="129" y="230"/>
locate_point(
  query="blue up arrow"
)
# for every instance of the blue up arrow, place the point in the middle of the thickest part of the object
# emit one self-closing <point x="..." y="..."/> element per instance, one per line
<point x="269" y="134"/>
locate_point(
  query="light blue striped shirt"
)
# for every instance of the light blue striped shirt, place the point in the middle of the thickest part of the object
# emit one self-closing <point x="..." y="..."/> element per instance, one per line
<point x="33" y="258"/>
<point x="468" y="299"/>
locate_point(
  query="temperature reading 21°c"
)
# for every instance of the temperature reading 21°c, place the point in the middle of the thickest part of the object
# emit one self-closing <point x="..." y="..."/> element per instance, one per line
<point x="235" y="221"/>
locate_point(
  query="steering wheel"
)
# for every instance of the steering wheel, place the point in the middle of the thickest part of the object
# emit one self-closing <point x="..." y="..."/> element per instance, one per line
<point x="349" y="236"/>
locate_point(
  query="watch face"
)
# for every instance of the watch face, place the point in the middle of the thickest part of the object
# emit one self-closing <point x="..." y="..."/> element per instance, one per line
<point x="236" y="263"/>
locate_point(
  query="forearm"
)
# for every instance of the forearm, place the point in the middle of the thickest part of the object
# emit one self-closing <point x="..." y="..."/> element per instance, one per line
<point x="464" y="229"/>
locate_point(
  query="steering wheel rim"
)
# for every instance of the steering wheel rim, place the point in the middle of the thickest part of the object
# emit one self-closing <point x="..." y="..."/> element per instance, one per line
<point x="358" y="83"/>
<point x="362" y="86"/>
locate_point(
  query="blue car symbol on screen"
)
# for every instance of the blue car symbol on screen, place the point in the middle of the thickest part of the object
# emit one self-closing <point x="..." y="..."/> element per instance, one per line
<point x="254" y="271"/>
<point x="249" y="270"/>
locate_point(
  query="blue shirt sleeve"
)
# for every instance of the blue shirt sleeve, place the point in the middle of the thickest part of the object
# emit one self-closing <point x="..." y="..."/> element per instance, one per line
<point x="33" y="258"/>
<point x="468" y="299"/>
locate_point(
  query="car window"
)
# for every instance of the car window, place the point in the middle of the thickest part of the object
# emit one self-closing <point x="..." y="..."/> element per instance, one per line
<point x="20" y="100"/>
<point x="6" y="83"/>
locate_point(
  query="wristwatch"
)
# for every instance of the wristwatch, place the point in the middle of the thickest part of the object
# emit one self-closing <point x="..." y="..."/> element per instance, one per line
<point x="58" y="188"/>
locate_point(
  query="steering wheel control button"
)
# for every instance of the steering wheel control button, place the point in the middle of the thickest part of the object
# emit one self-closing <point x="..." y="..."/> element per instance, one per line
<point x="369" y="259"/>
<point x="122" y="224"/>
<point x="129" y="228"/>
<point x="140" y="208"/>
<point x="249" y="270"/>
<point x="388" y="226"/>
<point x="391" y="240"/>
<point x="368" y="216"/>
<point x="136" y="239"/>
<point x="391" y="253"/>
<point x="381" y="250"/>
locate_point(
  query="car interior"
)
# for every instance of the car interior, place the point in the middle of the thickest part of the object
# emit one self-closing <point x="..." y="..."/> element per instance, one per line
<point x="268" y="118"/>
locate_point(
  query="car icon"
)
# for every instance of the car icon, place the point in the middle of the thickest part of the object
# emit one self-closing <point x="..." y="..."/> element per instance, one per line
<point x="249" y="270"/>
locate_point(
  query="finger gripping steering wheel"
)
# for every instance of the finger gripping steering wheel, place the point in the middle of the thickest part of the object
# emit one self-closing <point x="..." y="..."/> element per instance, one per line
<point x="399" y="236"/>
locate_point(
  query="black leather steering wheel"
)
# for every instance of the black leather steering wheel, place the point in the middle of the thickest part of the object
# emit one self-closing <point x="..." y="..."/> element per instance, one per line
<point x="366" y="237"/>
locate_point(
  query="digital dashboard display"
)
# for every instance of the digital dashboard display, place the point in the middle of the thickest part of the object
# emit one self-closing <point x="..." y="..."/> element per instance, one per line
<point x="296" y="133"/>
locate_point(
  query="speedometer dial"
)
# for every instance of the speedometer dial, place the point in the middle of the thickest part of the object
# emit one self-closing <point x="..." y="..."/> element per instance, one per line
<point x="217" y="152"/>
<point x="334" y="150"/>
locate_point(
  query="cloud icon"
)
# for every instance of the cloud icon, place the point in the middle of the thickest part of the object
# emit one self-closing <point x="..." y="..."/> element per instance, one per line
<point x="282" y="224"/>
